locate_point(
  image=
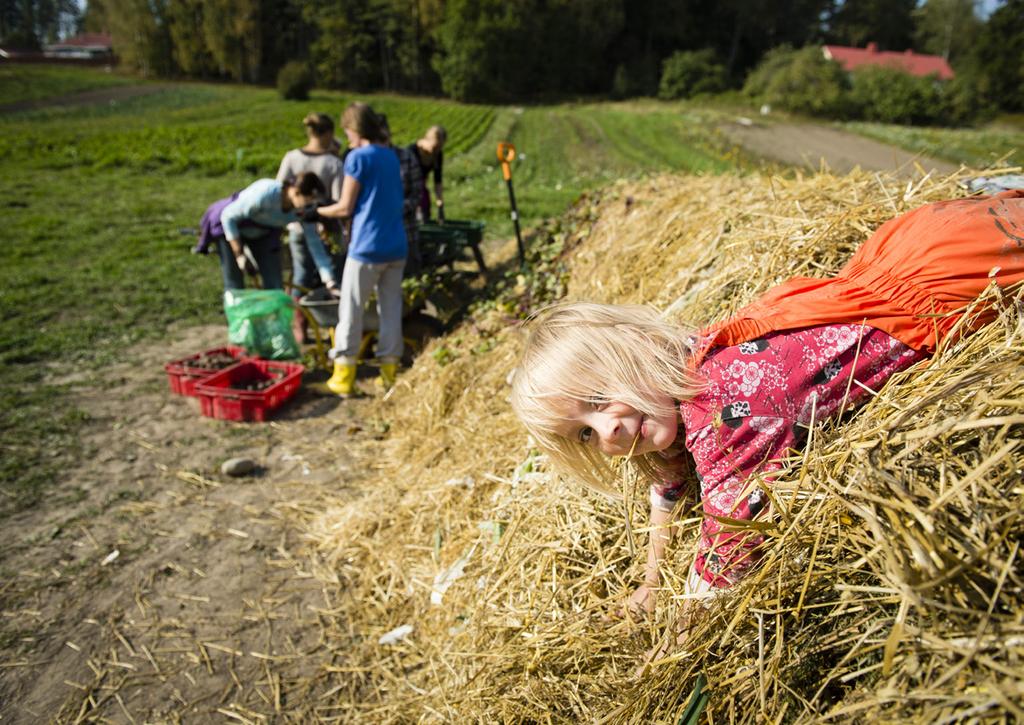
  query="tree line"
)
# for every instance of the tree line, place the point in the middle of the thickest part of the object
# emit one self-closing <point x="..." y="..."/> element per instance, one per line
<point x="509" y="50"/>
<point x="28" y="24"/>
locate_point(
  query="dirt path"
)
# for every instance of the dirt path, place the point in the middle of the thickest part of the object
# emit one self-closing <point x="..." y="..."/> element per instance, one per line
<point x="808" y="145"/>
<point x="98" y="95"/>
<point x="148" y="586"/>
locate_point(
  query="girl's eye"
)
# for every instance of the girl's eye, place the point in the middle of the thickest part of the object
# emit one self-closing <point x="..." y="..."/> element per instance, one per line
<point x="585" y="433"/>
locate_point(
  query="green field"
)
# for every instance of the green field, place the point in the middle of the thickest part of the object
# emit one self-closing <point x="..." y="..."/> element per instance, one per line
<point x="19" y="83"/>
<point x="94" y="197"/>
<point x="998" y="144"/>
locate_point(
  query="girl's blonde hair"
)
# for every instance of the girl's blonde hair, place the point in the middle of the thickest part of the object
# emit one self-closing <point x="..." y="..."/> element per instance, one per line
<point x="588" y="352"/>
<point x="439" y="133"/>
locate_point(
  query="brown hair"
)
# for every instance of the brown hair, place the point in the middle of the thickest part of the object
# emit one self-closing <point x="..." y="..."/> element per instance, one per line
<point x="308" y="184"/>
<point x="318" y="124"/>
<point x="385" y="127"/>
<point x="360" y="119"/>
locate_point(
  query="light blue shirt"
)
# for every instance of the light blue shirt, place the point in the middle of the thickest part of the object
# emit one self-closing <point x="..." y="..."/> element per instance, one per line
<point x="260" y="202"/>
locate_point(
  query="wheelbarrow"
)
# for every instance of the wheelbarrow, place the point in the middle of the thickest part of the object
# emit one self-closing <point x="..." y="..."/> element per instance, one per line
<point x="444" y="243"/>
<point x="321" y="310"/>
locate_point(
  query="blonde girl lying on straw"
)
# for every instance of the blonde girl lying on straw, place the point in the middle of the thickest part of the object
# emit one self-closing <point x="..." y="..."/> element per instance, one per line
<point x="712" y="412"/>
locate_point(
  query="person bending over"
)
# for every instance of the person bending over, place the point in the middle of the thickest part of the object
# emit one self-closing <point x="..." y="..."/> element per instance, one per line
<point x="249" y="224"/>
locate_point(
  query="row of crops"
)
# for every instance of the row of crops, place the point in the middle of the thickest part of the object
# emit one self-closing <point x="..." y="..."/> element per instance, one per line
<point x="210" y="129"/>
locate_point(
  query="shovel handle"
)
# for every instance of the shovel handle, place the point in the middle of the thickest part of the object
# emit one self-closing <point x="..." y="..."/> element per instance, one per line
<point x="506" y="154"/>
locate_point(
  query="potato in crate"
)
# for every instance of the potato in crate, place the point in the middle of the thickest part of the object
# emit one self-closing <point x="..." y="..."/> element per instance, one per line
<point x="250" y="390"/>
<point x="184" y="374"/>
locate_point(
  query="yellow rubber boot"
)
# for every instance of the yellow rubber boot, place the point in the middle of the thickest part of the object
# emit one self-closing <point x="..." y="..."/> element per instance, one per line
<point x="343" y="381"/>
<point x="388" y="375"/>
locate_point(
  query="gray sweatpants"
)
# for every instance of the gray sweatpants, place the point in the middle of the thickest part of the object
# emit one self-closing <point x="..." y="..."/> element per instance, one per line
<point x="357" y="281"/>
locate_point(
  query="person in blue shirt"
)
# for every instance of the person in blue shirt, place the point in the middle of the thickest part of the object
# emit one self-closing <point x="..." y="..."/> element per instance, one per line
<point x="372" y="196"/>
<point x="254" y="220"/>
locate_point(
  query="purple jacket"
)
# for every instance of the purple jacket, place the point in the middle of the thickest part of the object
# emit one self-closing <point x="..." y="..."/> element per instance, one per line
<point x="211" y="231"/>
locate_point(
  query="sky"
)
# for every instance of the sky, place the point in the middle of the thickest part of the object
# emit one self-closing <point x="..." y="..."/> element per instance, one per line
<point x="988" y="6"/>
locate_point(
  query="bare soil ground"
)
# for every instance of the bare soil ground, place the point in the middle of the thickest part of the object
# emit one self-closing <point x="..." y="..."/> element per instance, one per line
<point x="149" y="587"/>
<point x="810" y="145"/>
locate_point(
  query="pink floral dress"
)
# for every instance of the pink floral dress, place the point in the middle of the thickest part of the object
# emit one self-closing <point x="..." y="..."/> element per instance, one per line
<point x="757" y="408"/>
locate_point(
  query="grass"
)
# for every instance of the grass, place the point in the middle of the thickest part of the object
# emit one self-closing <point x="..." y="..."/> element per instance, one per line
<point x="83" y="276"/>
<point x="567" y="149"/>
<point x="976" y="147"/>
<point x="19" y="83"/>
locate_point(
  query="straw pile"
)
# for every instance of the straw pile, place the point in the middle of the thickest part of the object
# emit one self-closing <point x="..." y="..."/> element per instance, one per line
<point x="894" y="585"/>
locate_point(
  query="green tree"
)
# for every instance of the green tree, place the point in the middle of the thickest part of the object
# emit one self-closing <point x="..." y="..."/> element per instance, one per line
<point x="191" y="53"/>
<point x="891" y="95"/>
<point x="140" y="33"/>
<point x="999" y="57"/>
<point x="890" y="23"/>
<point x="690" y="72"/>
<point x="571" y="39"/>
<point x="231" y="31"/>
<point x="744" y="30"/>
<point x="31" y="23"/>
<point x="508" y="49"/>
<point x="286" y="36"/>
<point x="345" y="52"/>
<point x="946" y="27"/>
<point x="484" y="49"/>
<point x="245" y="40"/>
<point x="800" y="80"/>
<point x="373" y="44"/>
<point x="652" y="30"/>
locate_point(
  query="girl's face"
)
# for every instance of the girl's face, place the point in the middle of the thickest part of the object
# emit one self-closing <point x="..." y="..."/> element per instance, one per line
<point x="612" y="427"/>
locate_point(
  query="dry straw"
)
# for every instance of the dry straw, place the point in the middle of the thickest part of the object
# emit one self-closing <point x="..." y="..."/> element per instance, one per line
<point x="893" y="585"/>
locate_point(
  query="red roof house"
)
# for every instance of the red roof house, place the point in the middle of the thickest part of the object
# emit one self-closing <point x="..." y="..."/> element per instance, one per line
<point x="908" y="61"/>
<point x="83" y="46"/>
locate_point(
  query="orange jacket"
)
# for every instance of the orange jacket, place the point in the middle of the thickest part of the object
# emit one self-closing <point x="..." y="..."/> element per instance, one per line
<point x="912" y="278"/>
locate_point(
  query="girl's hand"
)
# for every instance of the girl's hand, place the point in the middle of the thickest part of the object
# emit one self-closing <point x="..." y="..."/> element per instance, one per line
<point x="665" y="646"/>
<point x="675" y="640"/>
<point x="640" y="605"/>
<point x="243" y="264"/>
<point x="643" y="601"/>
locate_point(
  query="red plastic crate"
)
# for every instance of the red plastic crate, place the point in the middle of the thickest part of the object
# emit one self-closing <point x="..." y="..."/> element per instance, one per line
<point x="183" y="376"/>
<point x="217" y="399"/>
